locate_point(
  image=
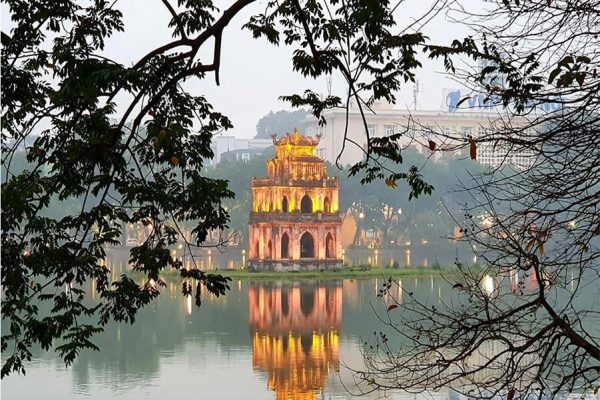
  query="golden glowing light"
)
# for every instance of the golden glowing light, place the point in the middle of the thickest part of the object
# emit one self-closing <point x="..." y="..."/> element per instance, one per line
<point x="487" y="283"/>
<point x="296" y="347"/>
<point x="297" y="184"/>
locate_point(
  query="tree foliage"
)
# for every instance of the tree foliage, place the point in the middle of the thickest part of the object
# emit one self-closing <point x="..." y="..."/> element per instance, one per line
<point x="142" y="165"/>
<point x="280" y="122"/>
<point x="361" y="41"/>
<point x="140" y="160"/>
<point x="128" y="143"/>
<point x="522" y="326"/>
<point x="379" y="203"/>
<point x="238" y="175"/>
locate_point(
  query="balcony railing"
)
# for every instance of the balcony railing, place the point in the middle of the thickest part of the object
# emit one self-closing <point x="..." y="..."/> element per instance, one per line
<point x="277" y="181"/>
<point x="295" y="216"/>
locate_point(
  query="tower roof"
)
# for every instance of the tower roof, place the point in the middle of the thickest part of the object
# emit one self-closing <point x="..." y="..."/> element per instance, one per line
<point x="296" y="139"/>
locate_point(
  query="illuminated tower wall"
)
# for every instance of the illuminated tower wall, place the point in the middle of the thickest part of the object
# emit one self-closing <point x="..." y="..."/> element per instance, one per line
<point x="295" y="223"/>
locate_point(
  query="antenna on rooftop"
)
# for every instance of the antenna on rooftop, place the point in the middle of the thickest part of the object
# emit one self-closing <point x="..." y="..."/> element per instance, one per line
<point x="417" y="88"/>
<point x="328" y="81"/>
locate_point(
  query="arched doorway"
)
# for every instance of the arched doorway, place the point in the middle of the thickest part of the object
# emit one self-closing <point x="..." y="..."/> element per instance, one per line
<point x="285" y="246"/>
<point x="329" y="249"/>
<point x="284" y="205"/>
<point x="307" y="246"/>
<point x="327" y="205"/>
<point x="306" y="205"/>
<point x="270" y="250"/>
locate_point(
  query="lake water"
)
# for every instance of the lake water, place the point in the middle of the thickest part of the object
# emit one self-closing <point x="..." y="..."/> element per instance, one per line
<point x="264" y="340"/>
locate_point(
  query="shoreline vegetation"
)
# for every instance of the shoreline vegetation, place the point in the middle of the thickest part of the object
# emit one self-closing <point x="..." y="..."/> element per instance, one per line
<point x="345" y="273"/>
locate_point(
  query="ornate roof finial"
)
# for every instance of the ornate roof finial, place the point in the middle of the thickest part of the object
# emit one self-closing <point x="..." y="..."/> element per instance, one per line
<point x="296" y="136"/>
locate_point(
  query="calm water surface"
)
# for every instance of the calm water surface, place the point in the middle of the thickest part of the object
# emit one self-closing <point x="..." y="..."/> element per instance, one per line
<point x="264" y="340"/>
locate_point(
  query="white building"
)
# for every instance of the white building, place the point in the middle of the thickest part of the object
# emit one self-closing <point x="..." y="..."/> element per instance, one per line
<point x="417" y="126"/>
<point x="223" y="144"/>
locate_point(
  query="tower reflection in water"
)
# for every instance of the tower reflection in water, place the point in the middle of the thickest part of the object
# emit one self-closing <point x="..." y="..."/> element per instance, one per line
<point x="294" y="329"/>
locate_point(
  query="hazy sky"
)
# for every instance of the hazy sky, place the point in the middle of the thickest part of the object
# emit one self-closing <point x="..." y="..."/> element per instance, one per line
<point x="255" y="73"/>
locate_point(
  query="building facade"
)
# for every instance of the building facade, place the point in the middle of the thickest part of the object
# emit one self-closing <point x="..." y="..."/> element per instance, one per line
<point x="417" y="127"/>
<point x="295" y="223"/>
<point x="238" y="148"/>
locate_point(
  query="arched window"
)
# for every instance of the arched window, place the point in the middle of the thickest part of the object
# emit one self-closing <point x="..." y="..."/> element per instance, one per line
<point x="307" y="246"/>
<point x="329" y="249"/>
<point x="306" y="205"/>
<point x="256" y="249"/>
<point x="327" y="205"/>
<point x="285" y="246"/>
<point x="284" y="205"/>
<point x="270" y="250"/>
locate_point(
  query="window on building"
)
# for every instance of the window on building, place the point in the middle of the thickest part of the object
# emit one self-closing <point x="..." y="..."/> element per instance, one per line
<point x="322" y="153"/>
<point x="427" y="131"/>
<point x="245" y="157"/>
<point x="390" y="130"/>
<point x="285" y="246"/>
<point x="306" y="205"/>
<point x="284" y="205"/>
<point x="327" y="205"/>
<point x="372" y="130"/>
<point x="329" y="251"/>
